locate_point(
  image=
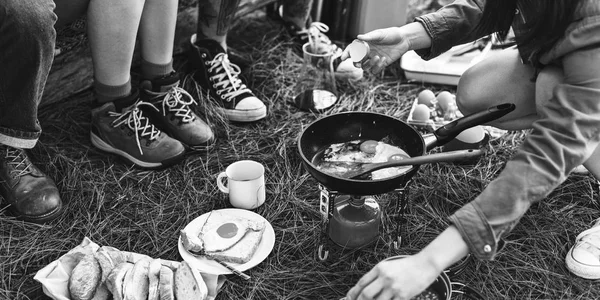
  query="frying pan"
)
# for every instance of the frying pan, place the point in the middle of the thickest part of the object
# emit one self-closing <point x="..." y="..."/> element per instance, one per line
<point x="348" y="126"/>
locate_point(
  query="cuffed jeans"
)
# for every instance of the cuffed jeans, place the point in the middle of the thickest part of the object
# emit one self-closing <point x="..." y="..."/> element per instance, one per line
<point x="27" y="40"/>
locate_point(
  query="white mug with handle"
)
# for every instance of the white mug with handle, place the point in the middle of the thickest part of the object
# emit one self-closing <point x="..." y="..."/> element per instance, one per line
<point x="245" y="184"/>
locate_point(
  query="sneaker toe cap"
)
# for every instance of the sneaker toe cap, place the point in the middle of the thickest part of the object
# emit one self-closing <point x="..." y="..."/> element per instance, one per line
<point x="582" y="254"/>
<point x="250" y="103"/>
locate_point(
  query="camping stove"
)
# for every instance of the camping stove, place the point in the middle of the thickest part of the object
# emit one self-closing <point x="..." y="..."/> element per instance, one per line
<point x="352" y="221"/>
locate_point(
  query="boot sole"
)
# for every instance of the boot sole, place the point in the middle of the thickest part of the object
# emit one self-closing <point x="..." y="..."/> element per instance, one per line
<point x="47" y="217"/>
<point x="102" y="145"/>
<point x="244" y="115"/>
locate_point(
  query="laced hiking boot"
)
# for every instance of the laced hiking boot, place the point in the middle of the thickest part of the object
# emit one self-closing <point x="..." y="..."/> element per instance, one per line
<point x="343" y="70"/>
<point x="121" y="128"/>
<point x="174" y="114"/>
<point x="217" y="75"/>
<point x="30" y="194"/>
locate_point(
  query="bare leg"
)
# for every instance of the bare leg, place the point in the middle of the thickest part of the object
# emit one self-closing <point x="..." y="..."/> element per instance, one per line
<point x="157" y="30"/>
<point x="510" y="81"/>
<point x="112" y="30"/>
<point x="214" y="19"/>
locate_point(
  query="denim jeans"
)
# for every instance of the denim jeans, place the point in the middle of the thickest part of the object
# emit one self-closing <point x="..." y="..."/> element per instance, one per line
<point x="27" y="40"/>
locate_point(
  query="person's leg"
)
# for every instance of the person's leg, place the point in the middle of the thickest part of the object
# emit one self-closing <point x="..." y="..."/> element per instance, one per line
<point x="479" y="88"/>
<point x="160" y="83"/>
<point x="119" y="126"/>
<point x="214" y="73"/>
<point x="28" y="35"/>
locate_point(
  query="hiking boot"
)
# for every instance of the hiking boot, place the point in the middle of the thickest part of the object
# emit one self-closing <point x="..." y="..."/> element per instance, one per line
<point x="343" y="69"/>
<point x="120" y="127"/>
<point x="583" y="259"/>
<point x="31" y="195"/>
<point x="220" y="78"/>
<point x="174" y="115"/>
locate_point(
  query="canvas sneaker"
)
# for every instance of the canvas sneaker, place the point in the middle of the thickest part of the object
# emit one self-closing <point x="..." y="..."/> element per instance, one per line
<point x="120" y="127"/>
<point x="583" y="259"/>
<point x="174" y="115"/>
<point x="343" y="69"/>
<point x="221" y="79"/>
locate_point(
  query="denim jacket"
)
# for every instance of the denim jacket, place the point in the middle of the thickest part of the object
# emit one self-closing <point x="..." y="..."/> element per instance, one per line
<point x="566" y="134"/>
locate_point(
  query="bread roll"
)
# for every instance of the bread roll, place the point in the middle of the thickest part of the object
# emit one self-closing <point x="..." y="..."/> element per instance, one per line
<point x="114" y="281"/>
<point x="165" y="284"/>
<point x="135" y="286"/>
<point x="85" y="278"/>
<point x="108" y="259"/>
<point x="153" y="279"/>
<point x="189" y="284"/>
<point x="102" y="293"/>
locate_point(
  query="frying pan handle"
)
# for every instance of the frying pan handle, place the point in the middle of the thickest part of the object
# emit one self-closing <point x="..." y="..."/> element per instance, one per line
<point x="449" y="131"/>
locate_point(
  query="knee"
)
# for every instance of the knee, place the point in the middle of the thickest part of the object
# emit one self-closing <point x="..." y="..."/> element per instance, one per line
<point x="469" y="93"/>
<point x="32" y="21"/>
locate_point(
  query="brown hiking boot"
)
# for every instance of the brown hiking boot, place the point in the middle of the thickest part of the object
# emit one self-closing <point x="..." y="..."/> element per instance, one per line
<point x="174" y="115"/>
<point x="127" y="132"/>
<point x="31" y="195"/>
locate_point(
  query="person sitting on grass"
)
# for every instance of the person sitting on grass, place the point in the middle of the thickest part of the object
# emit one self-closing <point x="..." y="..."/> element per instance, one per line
<point x="553" y="78"/>
<point x="218" y="77"/>
<point x="151" y="126"/>
<point x="28" y="35"/>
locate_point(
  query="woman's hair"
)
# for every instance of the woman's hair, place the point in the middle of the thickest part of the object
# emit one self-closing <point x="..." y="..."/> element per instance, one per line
<point x="546" y="22"/>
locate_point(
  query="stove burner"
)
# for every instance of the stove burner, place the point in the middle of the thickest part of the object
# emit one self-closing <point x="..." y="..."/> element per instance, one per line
<point x="327" y="205"/>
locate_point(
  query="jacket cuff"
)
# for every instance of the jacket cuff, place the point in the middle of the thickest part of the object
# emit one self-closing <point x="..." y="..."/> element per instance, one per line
<point x="434" y="25"/>
<point x="476" y="232"/>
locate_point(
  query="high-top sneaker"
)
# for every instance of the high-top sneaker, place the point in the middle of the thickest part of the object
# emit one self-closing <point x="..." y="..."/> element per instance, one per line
<point x="31" y="195"/>
<point x="120" y="127"/>
<point x="174" y="114"/>
<point x="343" y="69"/>
<point x="217" y="75"/>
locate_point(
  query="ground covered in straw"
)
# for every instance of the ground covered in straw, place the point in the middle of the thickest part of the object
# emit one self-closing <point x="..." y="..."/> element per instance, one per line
<point x="142" y="211"/>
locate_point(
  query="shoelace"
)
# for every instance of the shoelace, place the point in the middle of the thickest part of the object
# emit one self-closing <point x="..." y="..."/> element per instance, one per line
<point x="315" y="31"/>
<point x="21" y="165"/>
<point x="226" y="80"/>
<point x="178" y="101"/>
<point x="137" y="122"/>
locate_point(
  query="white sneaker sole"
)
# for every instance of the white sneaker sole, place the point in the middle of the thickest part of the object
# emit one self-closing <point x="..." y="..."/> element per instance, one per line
<point x="102" y="145"/>
<point x="580" y="269"/>
<point x="244" y="115"/>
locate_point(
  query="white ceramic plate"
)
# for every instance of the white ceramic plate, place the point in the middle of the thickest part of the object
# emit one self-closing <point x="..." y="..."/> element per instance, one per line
<point x="208" y="266"/>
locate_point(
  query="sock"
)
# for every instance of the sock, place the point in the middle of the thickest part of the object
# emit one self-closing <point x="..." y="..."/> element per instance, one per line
<point x="106" y="93"/>
<point x="152" y="71"/>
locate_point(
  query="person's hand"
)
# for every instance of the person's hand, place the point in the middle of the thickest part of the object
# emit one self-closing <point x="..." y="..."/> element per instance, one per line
<point x="398" y="279"/>
<point x="386" y="46"/>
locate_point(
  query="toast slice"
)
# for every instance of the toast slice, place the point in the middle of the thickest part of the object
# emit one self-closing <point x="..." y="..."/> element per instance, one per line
<point x="242" y="251"/>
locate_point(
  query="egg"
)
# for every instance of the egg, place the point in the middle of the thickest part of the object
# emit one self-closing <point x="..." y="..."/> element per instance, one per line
<point x="425" y="97"/>
<point x="444" y="99"/>
<point x="358" y="50"/>
<point x="471" y="135"/>
<point x="421" y="112"/>
<point x="369" y="146"/>
<point x="224" y="235"/>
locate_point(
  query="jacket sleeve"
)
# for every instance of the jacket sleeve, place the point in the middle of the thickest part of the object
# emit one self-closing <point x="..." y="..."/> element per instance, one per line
<point x="450" y="26"/>
<point x="565" y="136"/>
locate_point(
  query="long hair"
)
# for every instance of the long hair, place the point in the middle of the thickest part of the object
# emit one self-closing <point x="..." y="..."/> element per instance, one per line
<point x="546" y="22"/>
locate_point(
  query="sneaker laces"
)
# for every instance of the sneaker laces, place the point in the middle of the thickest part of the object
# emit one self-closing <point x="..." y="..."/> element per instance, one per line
<point x="137" y="122"/>
<point x="315" y="32"/>
<point x="178" y="101"/>
<point x="18" y="161"/>
<point x="226" y="80"/>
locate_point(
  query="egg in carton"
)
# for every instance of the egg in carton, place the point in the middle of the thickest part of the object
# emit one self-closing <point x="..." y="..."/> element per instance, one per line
<point x="429" y="112"/>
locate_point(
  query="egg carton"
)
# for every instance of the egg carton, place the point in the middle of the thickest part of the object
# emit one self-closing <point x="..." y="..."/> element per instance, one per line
<point x="429" y="125"/>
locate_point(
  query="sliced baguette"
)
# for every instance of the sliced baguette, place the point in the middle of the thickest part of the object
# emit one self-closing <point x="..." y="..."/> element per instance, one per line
<point x="153" y="279"/>
<point x="165" y="284"/>
<point x="189" y="284"/>
<point x="135" y="286"/>
<point x="85" y="278"/>
<point x="102" y="292"/>
<point x="116" y="278"/>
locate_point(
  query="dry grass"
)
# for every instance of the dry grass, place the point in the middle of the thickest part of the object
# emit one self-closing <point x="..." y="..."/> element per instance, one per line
<point x="142" y="211"/>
